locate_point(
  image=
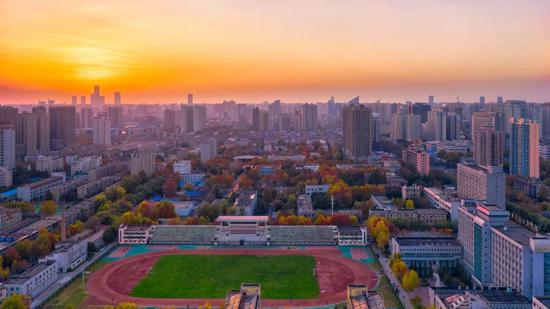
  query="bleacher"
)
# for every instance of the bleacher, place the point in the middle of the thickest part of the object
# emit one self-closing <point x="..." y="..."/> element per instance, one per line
<point x="302" y="235"/>
<point x="184" y="234"/>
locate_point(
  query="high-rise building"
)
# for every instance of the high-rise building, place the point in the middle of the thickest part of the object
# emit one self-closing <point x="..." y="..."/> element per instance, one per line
<point x="97" y="100"/>
<point x="190" y="99"/>
<point x="406" y="126"/>
<point x="27" y="134"/>
<point x="358" y="132"/>
<point x="482" y="99"/>
<point x="308" y="120"/>
<point x="545" y="122"/>
<point x="187" y="118"/>
<point x="62" y="126"/>
<point x="115" y="116"/>
<point x="256" y="119"/>
<point x="208" y="149"/>
<point x="488" y="146"/>
<point x="481" y="183"/>
<point x="74" y="100"/>
<point x="118" y="100"/>
<point x="7" y="146"/>
<point x="101" y="131"/>
<point x="144" y="160"/>
<point x="43" y="127"/>
<point x="416" y="156"/>
<point x="169" y="119"/>
<point x="524" y="148"/>
<point x="199" y="117"/>
<point x="8" y="115"/>
<point x="431" y="100"/>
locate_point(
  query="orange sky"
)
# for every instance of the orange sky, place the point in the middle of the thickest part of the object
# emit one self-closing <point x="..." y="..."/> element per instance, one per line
<point x="157" y="51"/>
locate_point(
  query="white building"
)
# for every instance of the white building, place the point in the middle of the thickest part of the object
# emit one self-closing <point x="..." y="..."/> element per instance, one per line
<point x="7" y="146"/>
<point x="208" y="149"/>
<point x="34" y="280"/>
<point x="69" y="255"/>
<point x="38" y="190"/>
<point x="49" y="164"/>
<point x="192" y="179"/>
<point x="443" y="199"/>
<point x="9" y="218"/>
<point x="101" y="130"/>
<point x="86" y="164"/>
<point x="481" y="183"/>
<point x="182" y="167"/>
<point x="5" y="177"/>
<point x="317" y="188"/>
<point x="129" y="235"/>
<point x="499" y="253"/>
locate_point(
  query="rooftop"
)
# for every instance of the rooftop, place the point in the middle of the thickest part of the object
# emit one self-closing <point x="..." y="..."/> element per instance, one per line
<point x="242" y="218"/>
<point x="516" y="232"/>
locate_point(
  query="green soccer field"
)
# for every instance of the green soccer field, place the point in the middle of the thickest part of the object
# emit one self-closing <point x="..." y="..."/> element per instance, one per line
<point x="211" y="276"/>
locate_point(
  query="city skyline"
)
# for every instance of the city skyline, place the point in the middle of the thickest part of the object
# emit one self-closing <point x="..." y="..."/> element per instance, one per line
<point x="254" y="52"/>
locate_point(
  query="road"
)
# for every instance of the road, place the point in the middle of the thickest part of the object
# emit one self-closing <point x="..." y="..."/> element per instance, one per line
<point x="403" y="296"/>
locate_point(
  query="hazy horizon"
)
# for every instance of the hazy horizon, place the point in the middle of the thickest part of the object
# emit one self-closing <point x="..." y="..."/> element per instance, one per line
<point x="254" y="51"/>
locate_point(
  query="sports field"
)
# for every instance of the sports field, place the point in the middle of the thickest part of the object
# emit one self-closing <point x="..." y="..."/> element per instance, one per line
<point x="211" y="276"/>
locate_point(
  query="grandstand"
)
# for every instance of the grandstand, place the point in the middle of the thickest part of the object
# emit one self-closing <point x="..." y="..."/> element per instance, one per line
<point x="183" y="234"/>
<point x="302" y="235"/>
<point x="244" y="230"/>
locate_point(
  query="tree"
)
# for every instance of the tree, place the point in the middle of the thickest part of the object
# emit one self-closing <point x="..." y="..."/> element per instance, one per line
<point x="124" y="306"/>
<point x="410" y="280"/>
<point x="110" y="234"/>
<point x="399" y="268"/>
<point x="15" y="301"/>
<point x="48" y="208"/>
<point x="170" y="187"/>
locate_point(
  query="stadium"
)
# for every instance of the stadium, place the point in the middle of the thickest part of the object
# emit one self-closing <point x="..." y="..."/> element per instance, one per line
<point x="190" y="265"/>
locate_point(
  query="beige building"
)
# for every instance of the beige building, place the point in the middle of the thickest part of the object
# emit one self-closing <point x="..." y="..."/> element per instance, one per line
<point x="482" y="183"/>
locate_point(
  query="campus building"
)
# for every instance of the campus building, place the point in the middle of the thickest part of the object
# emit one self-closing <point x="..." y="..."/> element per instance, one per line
<point x="428" y="252"/>
<point x="38" y="190"/>
<point x="481" y="183"/>
<point x="34" y="280"/>
<point x="500" y="253"/>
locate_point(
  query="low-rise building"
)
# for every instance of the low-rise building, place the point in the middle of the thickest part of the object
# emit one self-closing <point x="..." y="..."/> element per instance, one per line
<point x="426" y="216"/>
<point x="38" y="190"/>
<point x="304" y="206"/>
<point x="310" y="189"/>
<point x="34" y="280"/>
<point x="411" y="192"/>
<point x="70" y="254"/>
<point x="248" y="297"/>
<point x="359" y="297"/>
<point x="182" y="167"/>
<point x="530" y="186"/>
<point x="415" y="156"/>
<point x="541" y="302"/>
<point x="464" y="298"/>
<point x="428" y="252"/>
<point x="194" y="178"/>
<point x="443" y="199"/>
<point x="131" y="235"/>
<point x="354" y="235"/>
<point x="9" y="218"/>
<point x="307" y="167"/>
<point x="49" y="164"/>
<point x="95" y="186"/>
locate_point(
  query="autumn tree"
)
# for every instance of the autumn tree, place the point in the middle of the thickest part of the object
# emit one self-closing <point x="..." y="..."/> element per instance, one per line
<point x="170" y="187"/>
<point x="15" y="301"/>
<point x="48" y="208"/>
<point x="410" y="280"/>
<point x="409" y="204"/>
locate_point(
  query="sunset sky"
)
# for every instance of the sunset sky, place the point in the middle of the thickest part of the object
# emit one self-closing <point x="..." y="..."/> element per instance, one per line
<point x="256" y="50"/>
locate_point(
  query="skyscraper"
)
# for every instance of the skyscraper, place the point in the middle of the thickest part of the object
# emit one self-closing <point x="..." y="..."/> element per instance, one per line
<point x="524" y="147"/>
<point x="358" y="132"/>
<point x="8" y="115"/>
<point x="43" y="127"/>
<point x="101" y="131"/>
<point x="115" y="116"/>
<point x="488" y="146"/>
<point x="190" y="99"/>
<point x="7" y="146"/>
<point x="27" y="134"/>
<point x="199" y="117"/>
<point x="481" y="183"/>
<point x="117" y="98"/>
<point x="97" y="100"/>
<point x="308" y="120"/>
<point x="62" y="126"/>
<point x="256" y="119"/>
<point x="74" y="100"/>
<point x="186" y="118"/>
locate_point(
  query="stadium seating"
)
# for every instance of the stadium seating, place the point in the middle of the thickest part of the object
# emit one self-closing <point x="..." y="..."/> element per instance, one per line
<point x="183" y="234"/>
<point x="302" y="235"/>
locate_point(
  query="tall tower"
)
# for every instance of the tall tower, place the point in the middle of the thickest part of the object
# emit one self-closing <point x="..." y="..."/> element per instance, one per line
<point x="190" y="99"/>
<point x="97" y="100"/>
<point x="524" y="148"/>
<point x="117" y="98"/>
<point x="62" y="126"/>
<point x="358" y="132"/>
<point x="7" y="146"/>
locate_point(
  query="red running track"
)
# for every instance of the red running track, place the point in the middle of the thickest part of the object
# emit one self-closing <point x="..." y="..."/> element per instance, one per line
<point x="113" y="283"/>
